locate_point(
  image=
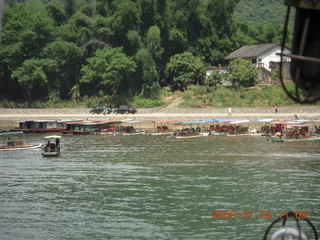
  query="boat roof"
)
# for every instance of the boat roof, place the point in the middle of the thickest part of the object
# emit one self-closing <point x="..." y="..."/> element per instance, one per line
<point x="126" y="120"/>
<point x="6" y="133"/>
<point x="204" y="121"/>
<point x="164" y="121"/>
<point x="207" y="121"/>
<point x="69" y="120"/>
<point x="239" y="121"/>
<point x="278" y="122"/>
<point x="53" y="136"/>
<point x="222" y="120"/>
<point x="297" y="125"/>
<point x="131" y="121"/>
<point x="188" y="123"/>
<point x="93" y="122"/>
<point x="303" y="120"/>
<point x="266" y="120"/>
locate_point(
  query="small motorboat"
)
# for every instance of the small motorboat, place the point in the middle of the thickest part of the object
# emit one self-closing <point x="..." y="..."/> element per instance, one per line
<point x="52" y="146"/>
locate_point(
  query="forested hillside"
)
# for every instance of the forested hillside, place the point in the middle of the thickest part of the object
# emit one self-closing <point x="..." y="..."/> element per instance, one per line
<point x="261" y="11"/>
<point x="118" y="49"/>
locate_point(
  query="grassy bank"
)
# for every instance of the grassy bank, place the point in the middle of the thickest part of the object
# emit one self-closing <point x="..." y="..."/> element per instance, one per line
<point x="193" y="97"/>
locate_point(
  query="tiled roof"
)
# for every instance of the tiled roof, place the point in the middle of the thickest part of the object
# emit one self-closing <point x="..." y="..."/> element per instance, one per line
<point x="251" y="51"/>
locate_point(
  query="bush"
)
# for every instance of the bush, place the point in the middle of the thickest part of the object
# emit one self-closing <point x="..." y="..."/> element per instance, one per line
<point x="215" y="79"/>
<point x="141" y="102"/>
<point x="165" y="92"/>
<point x="199" y="90"/>
<point x="242" y="73"/>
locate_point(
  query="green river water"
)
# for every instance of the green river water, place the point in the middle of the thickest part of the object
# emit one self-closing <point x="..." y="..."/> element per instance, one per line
<point x="155" y="187"/>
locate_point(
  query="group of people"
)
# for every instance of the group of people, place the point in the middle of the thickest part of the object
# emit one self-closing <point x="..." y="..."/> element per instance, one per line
<point x="52" y="147"/>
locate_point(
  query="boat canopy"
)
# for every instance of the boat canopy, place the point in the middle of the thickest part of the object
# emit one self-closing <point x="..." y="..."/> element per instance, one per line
<point x="222" y="120"/>
<point x="208" y="121"/>
<point x="239" y="121"/>
<point x="11" y="133"/>
<point x="164" y="121"/>
<point x="53" y="136"/>
<point x="297" y="126"/>
<point x="188" y="123"/>
<point x="92" y="123"/>
<point x="302" y="120"/>
<point x="265" y="120"/>
<point x="135" y="121"/>
<point x="278" y="123"/>
<point x="126" y="120"/>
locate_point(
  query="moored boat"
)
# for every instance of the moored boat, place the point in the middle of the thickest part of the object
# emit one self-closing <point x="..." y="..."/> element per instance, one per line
<point x="41" y="126"/>
<point x="91" y="127"/>
<point x="12" y="142"/>
<point x="193" y="135"/>
<point x="295" y="131"/>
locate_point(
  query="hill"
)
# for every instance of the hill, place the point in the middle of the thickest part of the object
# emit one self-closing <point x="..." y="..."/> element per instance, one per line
<point x="260" y="11"/>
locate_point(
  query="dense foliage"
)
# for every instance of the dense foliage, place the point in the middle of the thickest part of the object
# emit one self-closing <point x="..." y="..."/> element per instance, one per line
<point x="242" y="73"/>
<point x="261" y="11"/>
<point x="120" y="49"/>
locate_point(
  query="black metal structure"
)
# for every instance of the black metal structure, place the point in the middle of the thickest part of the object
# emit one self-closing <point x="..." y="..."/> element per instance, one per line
<point x="305" y="63"/>
<point x="284" y="219"/>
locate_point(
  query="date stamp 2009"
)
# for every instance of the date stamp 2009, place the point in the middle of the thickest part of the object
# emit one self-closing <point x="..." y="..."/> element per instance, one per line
<point x="262" y="214"/>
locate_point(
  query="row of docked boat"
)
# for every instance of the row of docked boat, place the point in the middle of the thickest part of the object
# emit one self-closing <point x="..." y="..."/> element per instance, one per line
<point x="298" y="129"/>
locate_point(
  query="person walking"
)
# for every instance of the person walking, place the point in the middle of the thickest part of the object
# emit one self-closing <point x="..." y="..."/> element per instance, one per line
<point x="276" y="109"/>
<point x="229" y="111"/>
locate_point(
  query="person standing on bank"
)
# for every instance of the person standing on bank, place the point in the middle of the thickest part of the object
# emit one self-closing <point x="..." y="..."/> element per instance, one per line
<point x="229" y="111"/>
<point x="276" y="109"/>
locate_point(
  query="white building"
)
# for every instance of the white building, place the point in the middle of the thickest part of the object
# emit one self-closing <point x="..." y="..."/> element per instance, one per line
<point x="264" y="56"/>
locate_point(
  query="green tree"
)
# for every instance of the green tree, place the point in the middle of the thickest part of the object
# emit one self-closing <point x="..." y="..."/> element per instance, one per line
<point x="134" y="42"/>
<point x="31" y="75"/>
<point x="107" y="70"/>
<point x="242" y="73"/>
<point x="124" y="19"/>
<point x="154" y="43"/>
<point x="25" y="33"/>
<point x="270" y="33"/>
<point x="66" y="59"/>
<point x="214" y="79"/>
<point x="56" y="12"/>
<point x="148" y="71"/>
<point x="184" y="69"/>
<point x="78" y="29"/>
<point x="69" y="7"/>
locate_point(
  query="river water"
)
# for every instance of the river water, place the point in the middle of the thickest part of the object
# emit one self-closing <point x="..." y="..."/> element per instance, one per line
<point x="156" y="187"/>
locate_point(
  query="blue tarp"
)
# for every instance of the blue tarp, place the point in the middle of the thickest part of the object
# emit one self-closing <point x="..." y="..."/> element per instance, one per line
<point x="222" y="119"/>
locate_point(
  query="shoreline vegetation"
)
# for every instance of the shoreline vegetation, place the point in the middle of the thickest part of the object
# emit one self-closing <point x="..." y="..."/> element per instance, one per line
<point x="195" y="96"/>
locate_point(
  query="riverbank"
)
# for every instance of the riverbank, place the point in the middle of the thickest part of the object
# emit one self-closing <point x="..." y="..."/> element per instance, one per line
<point x="285" y="113"/>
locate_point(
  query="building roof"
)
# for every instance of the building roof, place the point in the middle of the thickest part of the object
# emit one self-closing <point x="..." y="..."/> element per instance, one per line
<point x="251" y="51"/>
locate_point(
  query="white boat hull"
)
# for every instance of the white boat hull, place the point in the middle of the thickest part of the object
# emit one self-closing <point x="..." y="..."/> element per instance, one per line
<point x="21" y="148"/>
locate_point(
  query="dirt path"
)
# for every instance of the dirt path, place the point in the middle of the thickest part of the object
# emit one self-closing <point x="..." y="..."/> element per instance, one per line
<point x="176" y="103"/>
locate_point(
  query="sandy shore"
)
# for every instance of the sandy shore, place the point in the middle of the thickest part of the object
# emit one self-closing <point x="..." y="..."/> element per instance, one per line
<point x="10" y="117"/>
<point x="162" y="114"/>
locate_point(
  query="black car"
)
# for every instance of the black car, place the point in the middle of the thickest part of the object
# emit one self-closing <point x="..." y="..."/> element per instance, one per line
<point x="125" y="109"/>
<point x="100" y="109"/>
